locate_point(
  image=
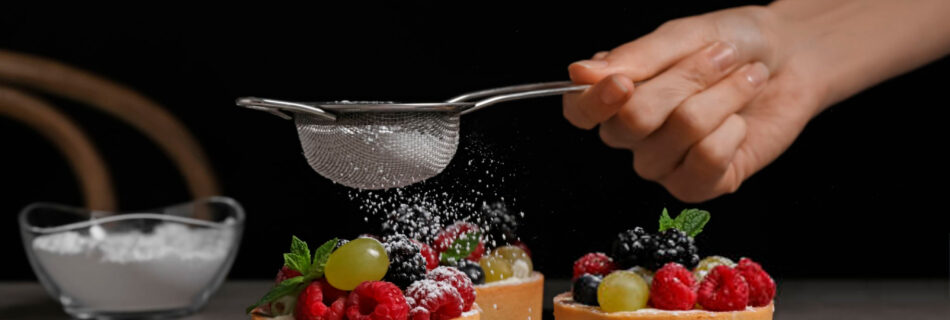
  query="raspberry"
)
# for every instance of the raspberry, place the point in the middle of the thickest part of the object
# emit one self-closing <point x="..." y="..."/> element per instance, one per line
<point x="286" y="273"/>
<point x="723" y="289"/>
<point x="439" y="298"/>
<point x="330" y="293"/>
<point x="337" y="310"/>
<point x="406" y="263"/>
<point x="310" y="303"/>
<point x="432" y="257"/>
<point x="447" y="238"/>
<point x="418" y="313"/>
<point x="761" y="285"/>
<point x="376" y="300"/>
<point x="593" y="263"/>
<point x="458" y="280"/>
<point x="673" y="288"/>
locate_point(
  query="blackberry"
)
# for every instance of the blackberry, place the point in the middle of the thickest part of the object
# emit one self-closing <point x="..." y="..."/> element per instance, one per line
<point x="406" y="264"/>
<point x="498" y="224"/>
<point x="633" y="247"/>
<point x="473" y="270"/>
<point x="673" y="245"/>
<point x="584" y="289"/>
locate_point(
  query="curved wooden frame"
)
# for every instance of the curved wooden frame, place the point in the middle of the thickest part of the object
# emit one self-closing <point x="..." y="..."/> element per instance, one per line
<point x="119" y="101"/>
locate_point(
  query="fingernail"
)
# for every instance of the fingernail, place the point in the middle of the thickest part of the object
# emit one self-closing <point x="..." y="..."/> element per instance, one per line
<point x="592" y="64"/>
<point x="600" y="55"/>
<point x="723" y="55"/>
<point x="613" y="92"/>
<point x="756" y="73"/>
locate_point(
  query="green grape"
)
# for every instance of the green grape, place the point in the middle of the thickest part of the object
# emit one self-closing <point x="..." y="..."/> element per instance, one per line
<point x="360" y="260"/>
<point x="496" y="268"/>
<point x="622" y="291"/>
<point x="708" y="263"/>
<point x="513" y="255"/>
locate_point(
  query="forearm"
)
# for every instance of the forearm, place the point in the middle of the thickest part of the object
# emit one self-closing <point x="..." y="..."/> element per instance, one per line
<point x="849" y="45"/>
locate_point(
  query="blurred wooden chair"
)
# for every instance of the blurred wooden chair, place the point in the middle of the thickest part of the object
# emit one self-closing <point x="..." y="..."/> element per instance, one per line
<point x="21" y="71"/>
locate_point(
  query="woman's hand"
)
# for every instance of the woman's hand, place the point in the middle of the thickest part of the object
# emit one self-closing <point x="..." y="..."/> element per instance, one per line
<point x="721" y="95"/>
<point x="716" y="105"/>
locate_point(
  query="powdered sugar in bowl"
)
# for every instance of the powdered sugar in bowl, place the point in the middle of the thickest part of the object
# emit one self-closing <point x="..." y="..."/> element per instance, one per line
<point x="160" y="263"/>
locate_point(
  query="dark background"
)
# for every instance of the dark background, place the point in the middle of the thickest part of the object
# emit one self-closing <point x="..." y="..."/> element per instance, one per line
<point x="859" y="194"/>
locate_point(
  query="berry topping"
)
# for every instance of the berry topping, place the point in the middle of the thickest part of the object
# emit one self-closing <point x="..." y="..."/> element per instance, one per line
<point x="632" y="248"/>
<point x="523" y="246"/>
<point x="458" y="280"/>
<point x="673" y="245"/>
<point x="310" y="303"/>
<point x="496" y="268"/>
<point x="432" y="257"/>
<point x="723" y="289"/>
<point x="761" y="285"/>
<point x="439" y="298"/>
<point x="500" y="226"/>
<point x="373" y="300"/>
<point x="363" y="259"/>
<point x="647" y="275"/>
<point x="337" y="310"/>
<point x="473" y="270"/>
<point x="406" y="263"/>
<point x="584" y="289"/>
<point x="593" y="263"/>
<point x="622" y="291"/>
<point x="673" y="288"/>
<point x="708" y="263"/>
<point x="330" y="294"/>
<point x="286" y="273"/>
<point x="419" y="313"/>
<point x="460" y="237"/>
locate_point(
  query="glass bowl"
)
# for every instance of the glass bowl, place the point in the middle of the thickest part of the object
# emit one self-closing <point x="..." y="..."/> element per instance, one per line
<point x="160" y="263"/>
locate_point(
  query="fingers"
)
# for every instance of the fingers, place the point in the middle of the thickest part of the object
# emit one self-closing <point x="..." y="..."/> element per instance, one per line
<point x="586" y="109"/>
<point x="646" y="56"/>
<point x="697" y="117"/>
<point x="709" y="169"/>
<point x="655" y="99"/>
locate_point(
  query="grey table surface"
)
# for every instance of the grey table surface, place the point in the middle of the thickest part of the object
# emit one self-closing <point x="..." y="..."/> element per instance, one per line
<point x="797" y="299"/>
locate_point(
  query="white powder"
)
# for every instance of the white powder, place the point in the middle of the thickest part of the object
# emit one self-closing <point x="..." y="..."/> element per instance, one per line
<point x="134" y="271"/>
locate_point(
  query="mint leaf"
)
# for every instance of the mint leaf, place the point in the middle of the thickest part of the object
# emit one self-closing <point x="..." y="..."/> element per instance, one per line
<point x="286" y="287"/>
<point x="320" y="258"/>
<point x="665" y="221"/>
<point x="299" y="257"/>
<point x="461" y="248"/>
<point x="692" y="221"/>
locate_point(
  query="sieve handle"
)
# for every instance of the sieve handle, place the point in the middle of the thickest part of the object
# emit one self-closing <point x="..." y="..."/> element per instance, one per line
<point x="518" y="92"/>
<point x="276" y="107"/>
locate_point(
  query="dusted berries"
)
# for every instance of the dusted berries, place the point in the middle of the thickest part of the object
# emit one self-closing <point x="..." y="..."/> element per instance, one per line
<point x="363" y="259"/>
<point x="761" y="285"/>
<point x="458" y="280"/>
<point x="622" y="291"/>
<point x="373" y="300"/>
<point x="708" y="263"/>
<point x="432" y="257"/>
<point x="672" y="288"/>
<point x="593" y="263"/>
<point x="473" y="270"/>
<point x="449" y="239"/>
<point x="406" y="263"/>
<point x="440" y="299"/>
<point x="723" y="289"/>
<point x="584" y="289"/>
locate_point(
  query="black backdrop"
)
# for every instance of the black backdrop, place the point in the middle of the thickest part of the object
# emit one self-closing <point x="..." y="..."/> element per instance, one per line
<point x="860" y="193"/>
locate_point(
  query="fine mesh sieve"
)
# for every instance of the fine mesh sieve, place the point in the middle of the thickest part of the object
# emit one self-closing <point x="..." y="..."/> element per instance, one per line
<point x="379" y="145"/>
